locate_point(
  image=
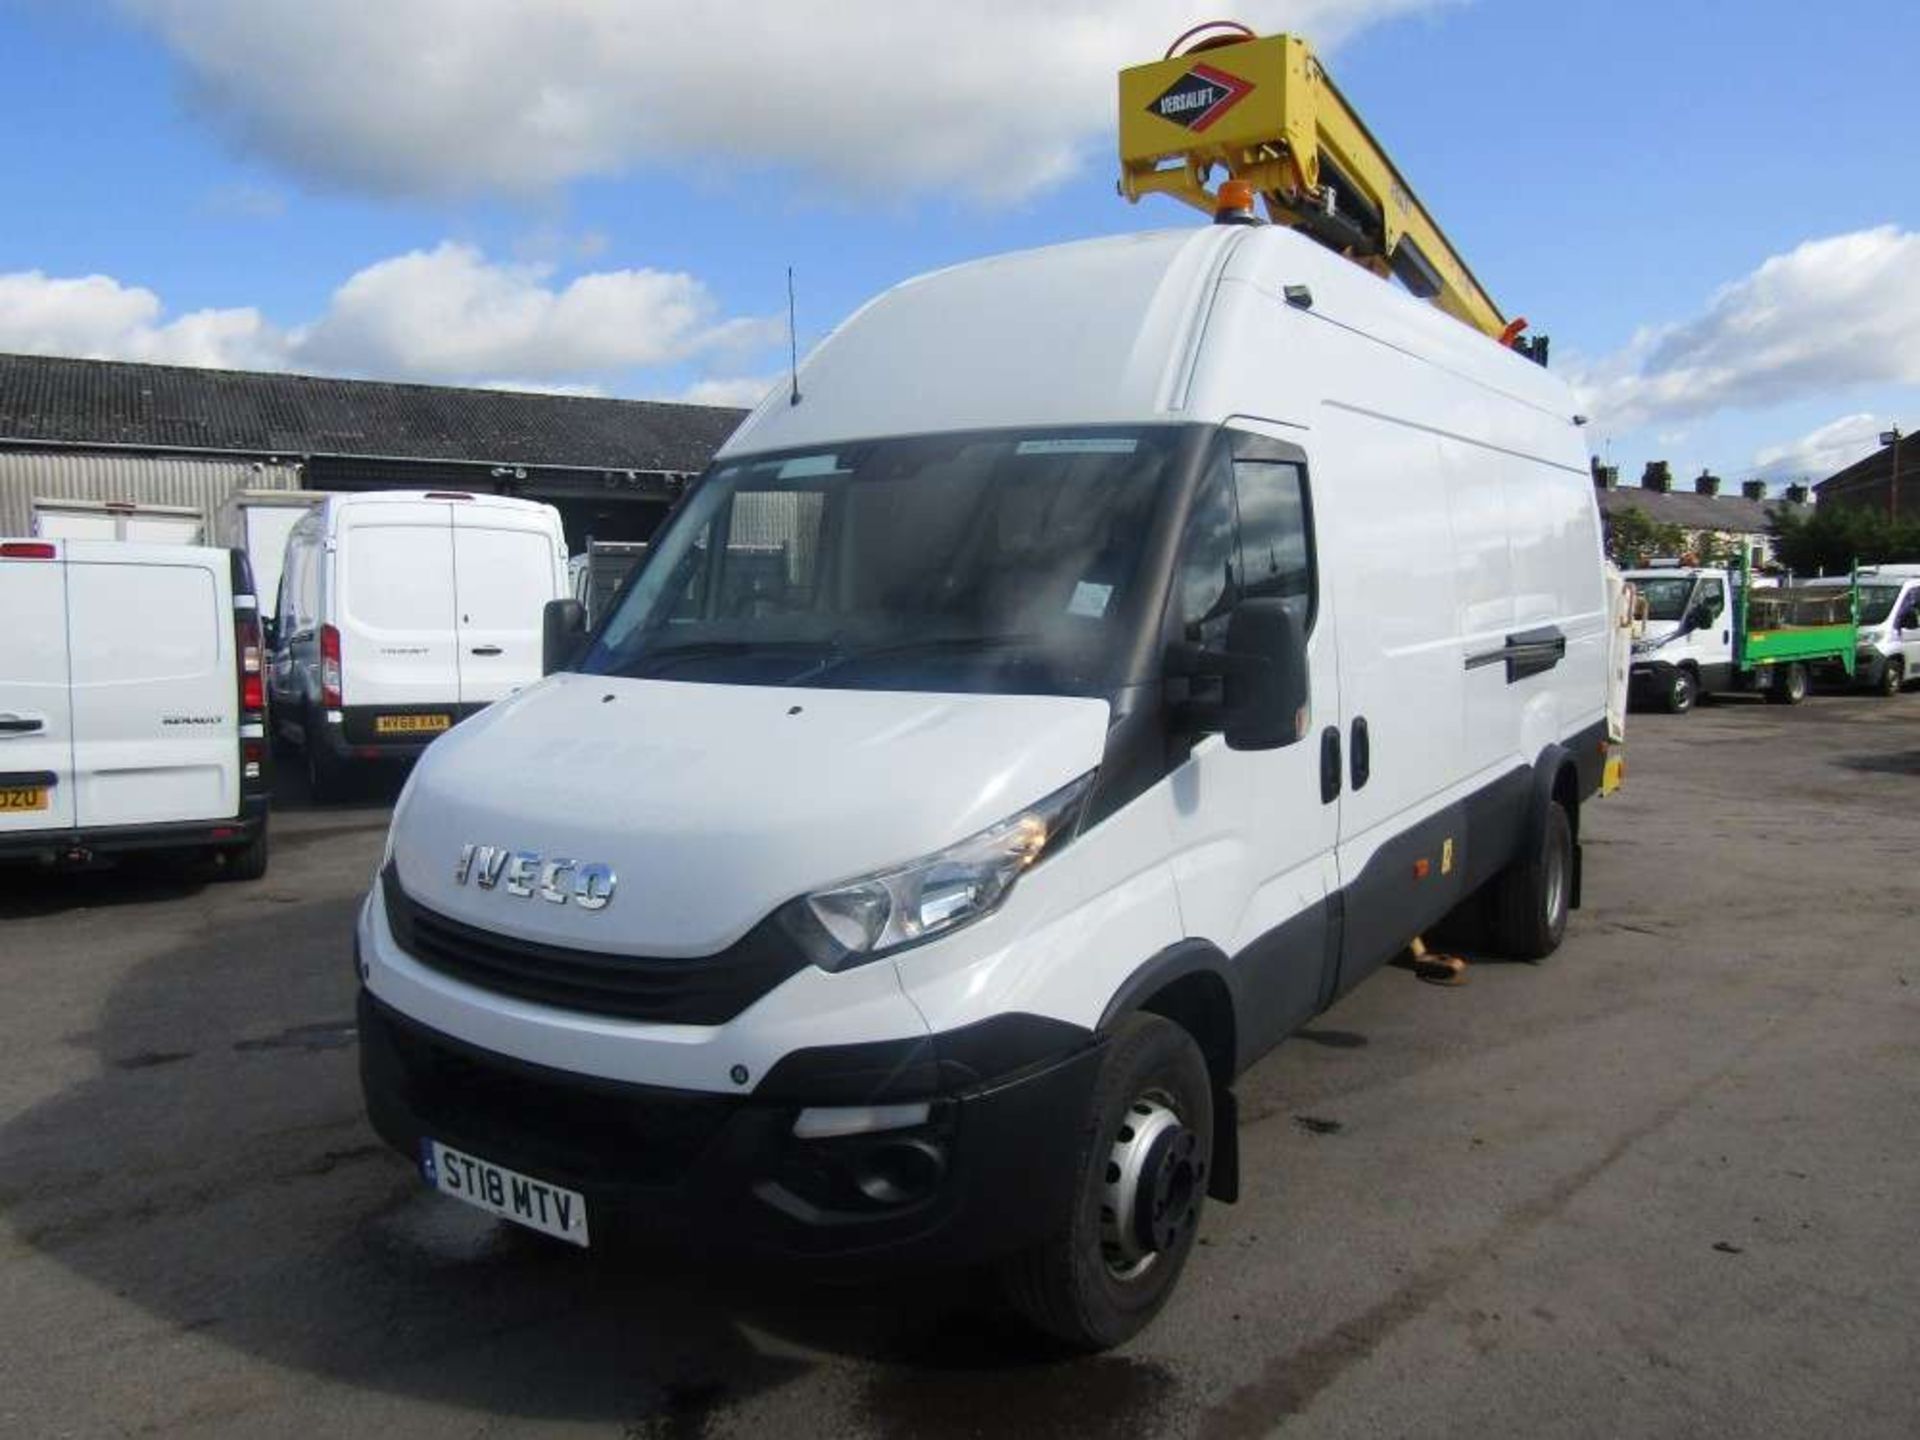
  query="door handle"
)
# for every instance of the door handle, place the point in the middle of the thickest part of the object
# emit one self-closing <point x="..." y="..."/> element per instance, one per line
<point x="20" y="725"/>
<point x="1329" y="764"/>
<point x="486" y="650"/>
<point x="1362" y="752"/>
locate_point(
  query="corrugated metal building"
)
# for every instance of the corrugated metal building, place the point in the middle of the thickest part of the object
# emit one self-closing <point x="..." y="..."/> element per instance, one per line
<point x="161" y="435"/>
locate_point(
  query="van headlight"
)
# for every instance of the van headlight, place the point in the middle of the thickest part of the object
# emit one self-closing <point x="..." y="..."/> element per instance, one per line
<point x="877" y="914"/>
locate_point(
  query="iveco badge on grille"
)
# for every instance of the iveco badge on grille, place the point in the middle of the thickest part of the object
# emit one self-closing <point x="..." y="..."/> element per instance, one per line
<point x="524" y="873"/>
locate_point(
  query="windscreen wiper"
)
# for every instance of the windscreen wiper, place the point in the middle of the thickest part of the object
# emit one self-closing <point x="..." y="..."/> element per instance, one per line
<point x="920" y="645"/>
<point x="650" y="662"/>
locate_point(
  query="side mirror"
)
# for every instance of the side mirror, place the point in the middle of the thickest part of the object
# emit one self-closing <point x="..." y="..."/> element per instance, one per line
<point x="1267" y="686"/>
<point x="562" y="624"/>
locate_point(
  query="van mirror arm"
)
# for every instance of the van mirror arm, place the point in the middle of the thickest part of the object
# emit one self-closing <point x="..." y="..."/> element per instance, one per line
<point x="1264" y="666"/>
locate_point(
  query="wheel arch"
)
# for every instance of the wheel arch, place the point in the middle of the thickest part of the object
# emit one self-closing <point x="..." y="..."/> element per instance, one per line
<point x="1190" y="983"/>
<point x="1556" y="781"/>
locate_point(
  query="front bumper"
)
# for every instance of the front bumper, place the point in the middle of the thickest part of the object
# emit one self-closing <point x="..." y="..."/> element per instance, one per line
<point x="1649" y="678"/>
<point x="992" y="1170"/>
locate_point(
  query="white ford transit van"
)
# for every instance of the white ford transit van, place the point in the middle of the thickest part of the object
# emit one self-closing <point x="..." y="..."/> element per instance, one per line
<point x="401" y="612"/>
<point x="131" y="711"/>
<point x="1114" y="653"/>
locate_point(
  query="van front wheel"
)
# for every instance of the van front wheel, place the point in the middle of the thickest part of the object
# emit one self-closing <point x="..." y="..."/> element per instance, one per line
<point x="1143" y="1155"/>
<point x="1531" y="897"/>
<point x="1682" y="691"/>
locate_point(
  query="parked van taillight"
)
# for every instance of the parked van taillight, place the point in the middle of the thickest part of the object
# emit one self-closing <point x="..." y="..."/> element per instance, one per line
<point x="330" y="667"/>
<point x="247" y="645"/>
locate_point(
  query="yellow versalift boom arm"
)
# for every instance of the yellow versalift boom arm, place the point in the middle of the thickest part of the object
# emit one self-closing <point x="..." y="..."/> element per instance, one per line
<point x="1265" y="112"/>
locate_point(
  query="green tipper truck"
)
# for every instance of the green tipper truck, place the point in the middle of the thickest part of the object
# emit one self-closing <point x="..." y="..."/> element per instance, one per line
<point x="1711" y="631"/>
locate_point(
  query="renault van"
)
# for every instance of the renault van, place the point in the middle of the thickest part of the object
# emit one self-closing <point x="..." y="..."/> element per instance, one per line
<point x="401" y="613"/>
<point x="131" y="706"/>
<point x="1096" y="662"/>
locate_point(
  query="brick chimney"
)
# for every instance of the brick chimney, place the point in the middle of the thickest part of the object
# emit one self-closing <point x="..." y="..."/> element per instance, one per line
<point x="1754" y="489"/>
<point x="1798" y="495"/>
<point x="1706" y="483"/>
<point x="1606" y="477"/>
<point x="1658" y="476"/>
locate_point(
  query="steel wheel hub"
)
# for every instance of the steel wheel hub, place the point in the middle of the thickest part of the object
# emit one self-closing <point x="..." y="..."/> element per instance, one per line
<point x="1155" y="1178"/>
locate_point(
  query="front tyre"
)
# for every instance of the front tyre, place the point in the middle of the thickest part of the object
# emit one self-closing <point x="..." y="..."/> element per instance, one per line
<point x="1143" y="1157"/>
<point x="1682" y="691"/>
<point x="1893" y="675"/>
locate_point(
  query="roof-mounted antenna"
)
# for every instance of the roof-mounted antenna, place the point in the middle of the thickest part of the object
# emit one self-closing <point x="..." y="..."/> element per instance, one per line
<point x="793" y="342"/>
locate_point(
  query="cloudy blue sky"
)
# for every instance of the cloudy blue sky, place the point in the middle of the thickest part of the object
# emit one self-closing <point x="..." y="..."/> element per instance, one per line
<point x="1709" y="206"/>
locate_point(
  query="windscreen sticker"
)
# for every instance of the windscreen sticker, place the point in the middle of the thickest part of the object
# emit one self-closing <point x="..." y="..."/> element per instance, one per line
<point x="1089" y="599"/>
<point x="1085" y="445"/>
<point x="802" y="466"/>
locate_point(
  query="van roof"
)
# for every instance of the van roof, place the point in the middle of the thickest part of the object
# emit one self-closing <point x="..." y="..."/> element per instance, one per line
<point x="371" y="498"/>
<point x="1107" y="332"/>
<point x="128" y="552"/>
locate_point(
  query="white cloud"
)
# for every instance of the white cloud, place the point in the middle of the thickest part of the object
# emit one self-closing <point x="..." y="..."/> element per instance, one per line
<point x="97" y="317"/>
<point x="1821" y="452"/>
<point x="1833" y="313"/>
<point x="450" y="312"/>
<point x="997" y="98"/>
<point x="446" y="314"/>
<point x="744" y="392"/>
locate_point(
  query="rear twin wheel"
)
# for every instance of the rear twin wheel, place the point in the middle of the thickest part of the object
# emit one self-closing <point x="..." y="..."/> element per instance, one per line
<point x="1789" y="685"/>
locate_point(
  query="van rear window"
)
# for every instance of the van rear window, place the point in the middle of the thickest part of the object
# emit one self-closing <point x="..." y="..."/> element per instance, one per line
<point x="399" y="577"/>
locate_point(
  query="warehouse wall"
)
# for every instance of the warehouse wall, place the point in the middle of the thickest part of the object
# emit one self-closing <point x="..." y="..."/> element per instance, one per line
<point x="203" y="483"/>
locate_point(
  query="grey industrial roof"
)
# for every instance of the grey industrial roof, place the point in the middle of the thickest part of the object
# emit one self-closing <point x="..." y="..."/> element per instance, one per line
<point x="1732" y="514"/>
<point x="101" y="402"/>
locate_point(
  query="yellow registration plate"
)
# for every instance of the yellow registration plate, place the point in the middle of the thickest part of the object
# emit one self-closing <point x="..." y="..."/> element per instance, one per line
<point x="24" y="797"/>
<point x="410" y="724"/>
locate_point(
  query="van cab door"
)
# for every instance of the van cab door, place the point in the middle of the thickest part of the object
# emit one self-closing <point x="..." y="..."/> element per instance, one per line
<point x="36" y="715"/>
<point x="1254" y="831"/>
<point x="392" y="599"/>
<point x="506" y="569"/>
<point x="1709" y="643"/>
<point x="156" y="705"/>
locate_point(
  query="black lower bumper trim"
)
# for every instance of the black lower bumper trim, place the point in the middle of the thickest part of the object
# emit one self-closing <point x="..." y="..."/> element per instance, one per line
<point x="996" y="1162"/>
<point x="106" y="841"/>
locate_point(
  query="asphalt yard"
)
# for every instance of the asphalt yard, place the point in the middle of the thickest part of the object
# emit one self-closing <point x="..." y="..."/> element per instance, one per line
<point x="1667" y="1183"/>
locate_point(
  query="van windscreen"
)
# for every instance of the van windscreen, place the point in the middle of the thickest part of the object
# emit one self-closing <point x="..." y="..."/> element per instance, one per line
<point x="982" y="561"/>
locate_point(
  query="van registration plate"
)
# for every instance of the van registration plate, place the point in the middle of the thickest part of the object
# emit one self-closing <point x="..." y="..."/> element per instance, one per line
<point x="550" y="1209"/>
<point x="411" y="724"/>
<point x="24" y="797"/>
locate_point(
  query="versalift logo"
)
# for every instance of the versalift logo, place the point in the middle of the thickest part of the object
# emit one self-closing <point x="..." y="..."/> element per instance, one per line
<point x="1200" y="97"/>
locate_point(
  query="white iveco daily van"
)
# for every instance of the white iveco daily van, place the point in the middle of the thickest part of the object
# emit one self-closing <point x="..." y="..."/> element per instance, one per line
<point x="1111" y="654"/>
<point x="131" y="712"/>
<point x="399" y="613"/>
<point x="1889" y="653"/>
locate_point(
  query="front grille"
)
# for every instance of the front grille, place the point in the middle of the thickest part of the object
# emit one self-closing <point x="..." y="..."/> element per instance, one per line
<point x="698" y="990"/>
<point x="571" y="1126"/>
